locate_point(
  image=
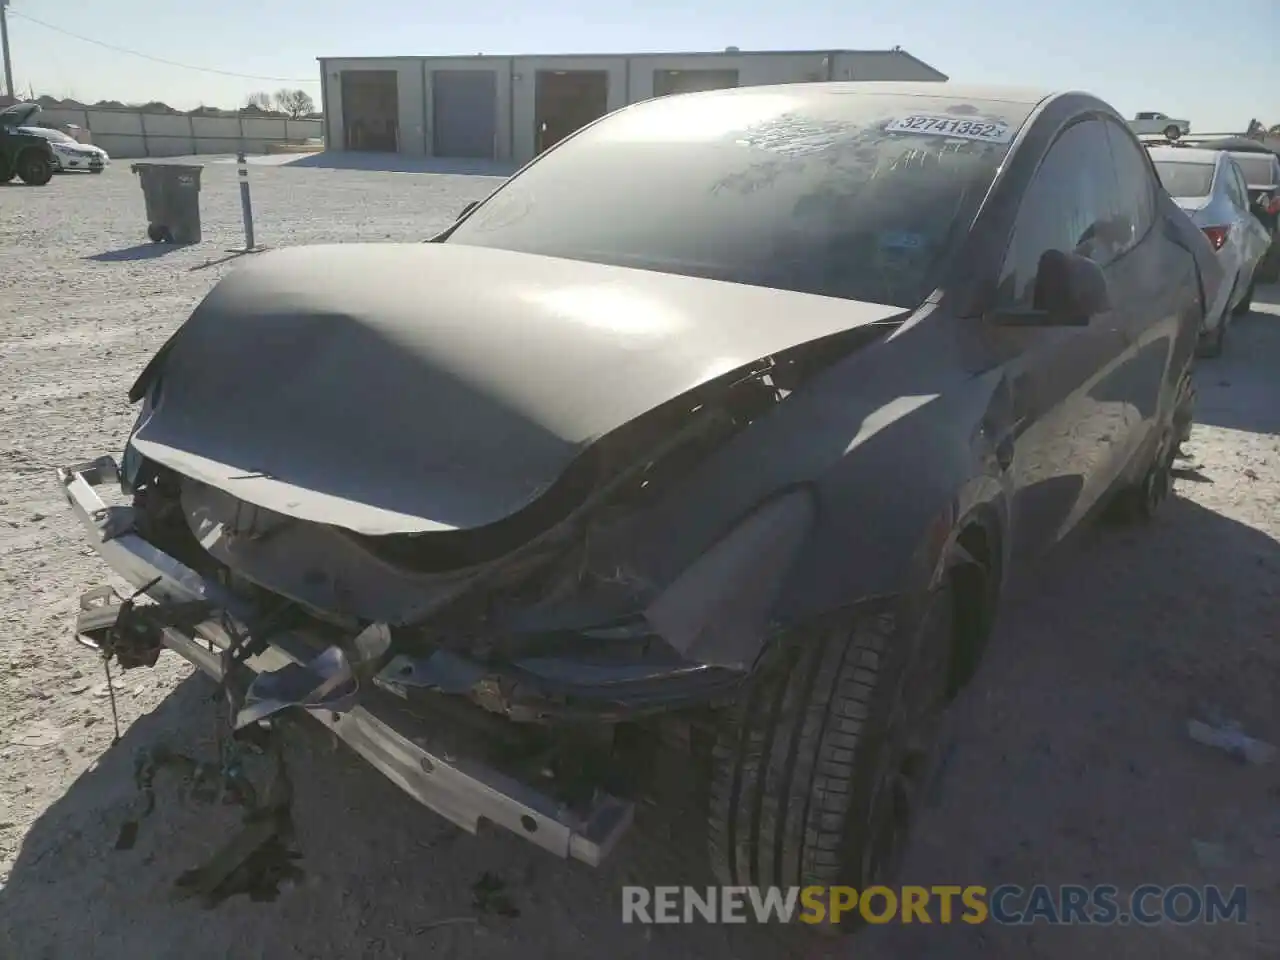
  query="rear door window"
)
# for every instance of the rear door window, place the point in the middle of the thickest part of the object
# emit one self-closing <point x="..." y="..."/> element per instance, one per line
<point x="1258" y="168"/>
<point x="1071" y="205"/>
<point x="1236" y="190"/>
<point x="1186" y="179"/>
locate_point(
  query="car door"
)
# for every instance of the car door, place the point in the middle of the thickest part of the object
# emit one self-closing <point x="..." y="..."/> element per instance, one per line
<point x="1064" y="448"/>
<point x="1225" y="213"/>
<point x="1153" y="285"/>
<point x="1252" y="237"/>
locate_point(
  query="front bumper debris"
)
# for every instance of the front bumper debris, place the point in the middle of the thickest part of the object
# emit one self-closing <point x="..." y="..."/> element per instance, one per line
<point x="400" y="745"/>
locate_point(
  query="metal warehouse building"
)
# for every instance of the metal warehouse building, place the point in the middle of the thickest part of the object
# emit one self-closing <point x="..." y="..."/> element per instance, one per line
<point x="512" y="108"/>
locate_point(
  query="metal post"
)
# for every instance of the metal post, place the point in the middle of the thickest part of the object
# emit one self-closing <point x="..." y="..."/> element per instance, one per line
<point x="246" y="207"/>
<point x="4" y="51"/>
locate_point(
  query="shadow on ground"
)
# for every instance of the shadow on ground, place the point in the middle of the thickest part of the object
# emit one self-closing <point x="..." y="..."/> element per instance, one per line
<point x="1235" y="390"/>
<point x="382" y="876"/>
<point x="142" y="251"/>
<point x="399" y="163"/>
<point x="1070" y="764"/>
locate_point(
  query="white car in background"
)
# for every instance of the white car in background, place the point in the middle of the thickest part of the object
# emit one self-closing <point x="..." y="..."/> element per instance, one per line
<point x="69" y="153"/>
<point x="1209" y="186"/>
<point x="1150" y="122"/>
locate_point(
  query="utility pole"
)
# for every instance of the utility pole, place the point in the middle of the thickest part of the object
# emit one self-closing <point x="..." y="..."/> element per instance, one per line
<point x="4" y="51"/>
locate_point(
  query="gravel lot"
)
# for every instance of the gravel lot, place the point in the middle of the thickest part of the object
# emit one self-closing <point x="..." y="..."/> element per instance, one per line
<point x="1071" y="762"/>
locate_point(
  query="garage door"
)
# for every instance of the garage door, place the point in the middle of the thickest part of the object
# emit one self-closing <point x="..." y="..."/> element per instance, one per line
<point x="465" y="113"/>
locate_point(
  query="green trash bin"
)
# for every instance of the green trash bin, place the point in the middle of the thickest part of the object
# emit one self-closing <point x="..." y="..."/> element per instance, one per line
<point x="172" y="195"/>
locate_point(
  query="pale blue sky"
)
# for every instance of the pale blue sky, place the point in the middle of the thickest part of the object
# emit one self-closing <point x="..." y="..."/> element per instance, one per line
<point x="1214" y="62"/>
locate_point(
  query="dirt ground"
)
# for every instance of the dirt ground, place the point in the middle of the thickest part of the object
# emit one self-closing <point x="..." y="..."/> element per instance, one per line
<point x="1070" y="761"/>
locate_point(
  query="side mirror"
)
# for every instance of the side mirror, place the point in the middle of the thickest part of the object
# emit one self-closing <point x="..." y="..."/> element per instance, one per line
<point x="468" y="208"/>
<point x="1070" y="290"/>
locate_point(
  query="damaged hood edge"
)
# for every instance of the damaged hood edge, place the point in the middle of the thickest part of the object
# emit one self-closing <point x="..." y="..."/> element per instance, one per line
<point x="411" y="388"/>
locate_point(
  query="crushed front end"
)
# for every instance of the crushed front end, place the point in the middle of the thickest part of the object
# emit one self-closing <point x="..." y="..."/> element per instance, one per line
<point x="497" y="550"/>
<point x="521" y="675"/>
<point x="451" y="760"/>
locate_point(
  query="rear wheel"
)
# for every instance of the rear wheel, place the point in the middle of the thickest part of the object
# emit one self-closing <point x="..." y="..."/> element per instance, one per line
<point x="1172" y="132"/>
<point x="158" y="233"/>
<point x="1246" y="302"/>
<point x="1211" y="344"/>
<point x="819" y="771"/>
<point x="1269" y="269"/>
<point x="1141" y="502"/>
<point x="34" y="168"/>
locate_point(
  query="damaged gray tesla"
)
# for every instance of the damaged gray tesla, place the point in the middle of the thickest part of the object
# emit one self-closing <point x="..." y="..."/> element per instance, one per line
<point x="715" y="432"/>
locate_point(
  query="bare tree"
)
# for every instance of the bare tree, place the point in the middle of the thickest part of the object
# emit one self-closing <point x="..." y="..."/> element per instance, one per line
<point x="296" y="103"/>
<point x="260" y="100"/>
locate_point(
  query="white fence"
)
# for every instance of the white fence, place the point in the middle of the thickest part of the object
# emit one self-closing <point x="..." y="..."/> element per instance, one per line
<point x="131" y="133"/>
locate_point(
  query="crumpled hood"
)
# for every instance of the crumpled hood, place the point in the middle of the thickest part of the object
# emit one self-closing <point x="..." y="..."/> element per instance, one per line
<point x="401" y="388"/>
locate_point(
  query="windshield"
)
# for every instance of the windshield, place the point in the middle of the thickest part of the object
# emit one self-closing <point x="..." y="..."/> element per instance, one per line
<point x="1184" y="179"/>
<point x="57" y="136"/>
<point x="1258" y="168"/>
<point x="825" y="191"/>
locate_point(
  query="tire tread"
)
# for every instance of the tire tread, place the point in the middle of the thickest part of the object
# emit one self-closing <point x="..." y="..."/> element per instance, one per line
<point x="782" y="783"/>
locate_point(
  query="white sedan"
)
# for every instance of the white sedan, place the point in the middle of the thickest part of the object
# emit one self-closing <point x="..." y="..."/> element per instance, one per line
<point x="69" y="153"/>
<point x="1209" y="186"/>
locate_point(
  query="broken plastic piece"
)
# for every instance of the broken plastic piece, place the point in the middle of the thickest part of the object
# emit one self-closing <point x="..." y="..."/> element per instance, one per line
<point x="371" y="645"/>
<point x="489" y="895"/>
<point x="442" y="670"/>
<point x="1230" y="738"/>
<point x="258" y="858"/>
<point x="326" y="682"/>
<point x="330" y="681"/>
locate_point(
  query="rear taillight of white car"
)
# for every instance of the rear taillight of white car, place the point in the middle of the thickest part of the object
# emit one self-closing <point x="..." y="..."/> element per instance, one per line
<point x="1217" y="236"/>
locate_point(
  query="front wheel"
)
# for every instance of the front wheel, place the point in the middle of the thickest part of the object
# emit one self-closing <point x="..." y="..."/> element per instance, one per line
<point x="819" y="771"/>
<point x="34" y="169"/>
<point x="1171" y="132"/>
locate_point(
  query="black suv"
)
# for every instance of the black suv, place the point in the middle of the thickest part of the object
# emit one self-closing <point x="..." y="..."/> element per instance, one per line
<point x="27" y="156"/>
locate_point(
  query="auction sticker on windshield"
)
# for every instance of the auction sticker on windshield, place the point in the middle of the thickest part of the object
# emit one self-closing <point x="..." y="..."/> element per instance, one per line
<point x="965" y="129"/>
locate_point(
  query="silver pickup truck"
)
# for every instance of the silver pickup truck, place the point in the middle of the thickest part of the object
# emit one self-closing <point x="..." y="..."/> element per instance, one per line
<point x="1151" y="122"/>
